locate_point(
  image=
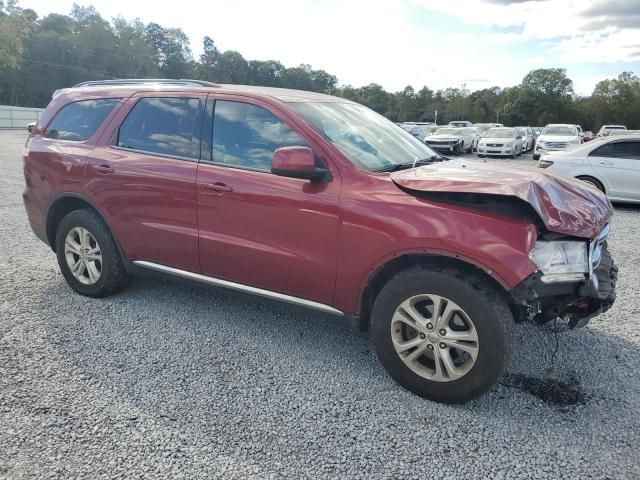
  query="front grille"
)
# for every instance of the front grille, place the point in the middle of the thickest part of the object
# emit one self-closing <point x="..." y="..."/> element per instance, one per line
<point x="494" y="144"/>
<point x="437" y="143"/>
<point x="556" y="144"/>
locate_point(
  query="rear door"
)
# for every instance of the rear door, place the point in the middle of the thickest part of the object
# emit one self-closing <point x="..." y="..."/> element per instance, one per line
<point x="143" y="176"/>
<point x="256" y="228"/>
<point x="617" y="163"/>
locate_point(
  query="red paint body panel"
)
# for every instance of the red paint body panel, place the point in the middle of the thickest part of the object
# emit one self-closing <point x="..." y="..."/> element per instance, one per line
<point x="564" y="204"/>
<point x="271" y="232"/>
<point x="316" y="240"/>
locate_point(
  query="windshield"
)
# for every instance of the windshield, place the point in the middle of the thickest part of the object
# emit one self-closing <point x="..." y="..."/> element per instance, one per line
<point x="483" y="128"/>
<point x="365" y="137"/>
<point x="559" y="131"/>
<point x="500" y="133"/>
<point x="448" y="131"/>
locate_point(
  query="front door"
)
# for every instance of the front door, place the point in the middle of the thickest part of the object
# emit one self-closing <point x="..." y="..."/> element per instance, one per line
<point x="256" y="228"/>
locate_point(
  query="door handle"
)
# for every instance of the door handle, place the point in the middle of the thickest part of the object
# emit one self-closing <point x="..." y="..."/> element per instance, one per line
<point x="218" y="187"/>
<point x="605" y="162"/>
<point x="103" y="169"/>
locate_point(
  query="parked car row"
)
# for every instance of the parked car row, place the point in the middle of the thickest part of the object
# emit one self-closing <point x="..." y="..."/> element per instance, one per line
<point x="462" y="136"/>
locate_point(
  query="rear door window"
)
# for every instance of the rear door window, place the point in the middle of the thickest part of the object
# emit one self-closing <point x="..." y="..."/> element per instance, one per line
<point x="78" y="121"/>
<point x="620" y="149"/>
<point x="165" y="126"/>
<point x="246" y="135"/>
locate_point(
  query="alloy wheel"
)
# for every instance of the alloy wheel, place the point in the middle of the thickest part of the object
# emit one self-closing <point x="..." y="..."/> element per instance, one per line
<point x="83" y="255"/>
<point x="434" y="337"/>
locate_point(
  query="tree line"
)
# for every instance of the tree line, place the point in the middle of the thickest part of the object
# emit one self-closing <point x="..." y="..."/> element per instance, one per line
<point x="41" y="54"/>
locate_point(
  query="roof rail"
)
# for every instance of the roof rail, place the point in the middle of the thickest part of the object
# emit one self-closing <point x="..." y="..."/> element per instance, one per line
<point x="146" y="81"/>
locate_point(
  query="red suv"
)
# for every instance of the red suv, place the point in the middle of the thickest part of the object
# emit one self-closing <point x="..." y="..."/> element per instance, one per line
<point x="317" y="201"/>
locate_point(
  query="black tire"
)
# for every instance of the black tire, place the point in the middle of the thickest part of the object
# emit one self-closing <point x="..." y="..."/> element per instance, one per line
<point x="592" y="181"/>
<point x="513" y="155"/>
<point x="536" y="156"/>
<point x="483" y="304"/>
<point x="113" y="275"/>
<point x="481" y="156"/>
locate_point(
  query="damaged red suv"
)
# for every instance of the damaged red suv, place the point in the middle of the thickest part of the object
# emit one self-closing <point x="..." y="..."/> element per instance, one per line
<point x="317" y="201"/>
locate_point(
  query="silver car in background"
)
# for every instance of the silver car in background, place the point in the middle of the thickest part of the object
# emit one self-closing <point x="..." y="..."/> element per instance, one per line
<point x="556" y="137"/>
<point x="527" y="138"/>
<point x="500" y="141"/>
<point x="610" y="164"/>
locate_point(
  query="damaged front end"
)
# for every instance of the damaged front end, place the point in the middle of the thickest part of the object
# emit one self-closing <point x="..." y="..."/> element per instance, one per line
<point x="576" y="281"/>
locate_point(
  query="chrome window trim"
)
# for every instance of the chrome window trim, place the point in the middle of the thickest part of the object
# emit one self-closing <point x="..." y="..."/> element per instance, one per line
<point x="146" y="152"/>
<point x="240" y="287"/>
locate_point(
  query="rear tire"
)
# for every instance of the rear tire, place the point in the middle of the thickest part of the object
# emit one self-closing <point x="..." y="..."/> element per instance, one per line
<point x="593" y="182"/>
<point x="88" y="255"/>
<point x="489" y="319"/>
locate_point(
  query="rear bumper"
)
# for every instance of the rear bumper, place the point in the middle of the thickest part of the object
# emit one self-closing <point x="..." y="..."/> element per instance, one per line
<point x="577" y="302"/>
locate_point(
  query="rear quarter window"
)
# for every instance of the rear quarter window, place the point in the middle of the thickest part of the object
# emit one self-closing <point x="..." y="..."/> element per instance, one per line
<point x="78" y="121"/>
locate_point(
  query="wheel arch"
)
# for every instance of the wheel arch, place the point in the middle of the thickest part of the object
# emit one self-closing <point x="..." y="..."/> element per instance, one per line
<point x="67" y="202"/>
<point x="592" y="177"/>
<point x="380" y="276"/>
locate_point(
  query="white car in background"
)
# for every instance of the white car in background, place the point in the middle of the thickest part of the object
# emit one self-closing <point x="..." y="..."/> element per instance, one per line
<point x="500" y="141"/>
<point x="527" y="138"/>
<point x="556" y="137"/>
<point x="610" y="164"/>
<point x="451" y="140"/>
<point x="473" y="135"/>
<point x="606" y="130"/>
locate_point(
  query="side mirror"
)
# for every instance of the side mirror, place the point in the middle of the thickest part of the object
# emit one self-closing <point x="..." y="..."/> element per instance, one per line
<point x="296" y="162"/>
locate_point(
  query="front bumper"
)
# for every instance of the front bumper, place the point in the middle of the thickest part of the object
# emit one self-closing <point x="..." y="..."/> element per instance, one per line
<point x="442" y="147"/>
<point x="577" y="302"/>
<point x="499" y="151"/>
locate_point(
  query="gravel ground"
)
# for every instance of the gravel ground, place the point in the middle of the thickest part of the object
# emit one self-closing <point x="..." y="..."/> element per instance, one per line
<point x="175" y="380"/>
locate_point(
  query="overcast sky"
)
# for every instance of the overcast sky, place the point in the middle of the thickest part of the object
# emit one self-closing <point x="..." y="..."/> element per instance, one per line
<point x="438" y="43"/>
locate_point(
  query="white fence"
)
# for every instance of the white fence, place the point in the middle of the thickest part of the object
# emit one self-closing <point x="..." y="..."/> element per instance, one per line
<point x="18" y="117"/>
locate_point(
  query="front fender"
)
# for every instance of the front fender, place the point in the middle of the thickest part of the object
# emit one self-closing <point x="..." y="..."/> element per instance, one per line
<point x="495" y="244"/>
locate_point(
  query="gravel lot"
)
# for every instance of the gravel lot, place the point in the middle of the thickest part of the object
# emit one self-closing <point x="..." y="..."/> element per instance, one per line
<point x="172" y="379"/>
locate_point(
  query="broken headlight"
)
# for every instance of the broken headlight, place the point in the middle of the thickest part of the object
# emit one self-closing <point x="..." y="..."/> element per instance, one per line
<point x="561" y="261"/>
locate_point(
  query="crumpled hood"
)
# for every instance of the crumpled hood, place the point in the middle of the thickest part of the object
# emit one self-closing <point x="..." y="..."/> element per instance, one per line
<point x="442" y="137"/>
<point x="565" y="205"/>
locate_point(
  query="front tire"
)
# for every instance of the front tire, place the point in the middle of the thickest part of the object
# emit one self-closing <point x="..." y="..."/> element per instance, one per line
<point x="453" y="355"/>
<point x="88" y="256"/>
